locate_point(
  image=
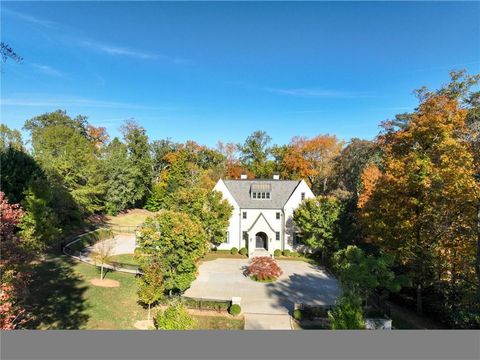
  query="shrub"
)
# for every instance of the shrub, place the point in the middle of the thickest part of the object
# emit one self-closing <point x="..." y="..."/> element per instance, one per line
<point x="277" y="253"/>
<point x="234" y="251"/>
<point x="286" y="252"/>
<point x="243" y="251"/>
<point x="175" y="317"/>
<point x="294" y="254"/>
<point x="347" y="314"/>
<point x="235" y="310"/>
<point x="297" y="314"/>
<point x="264" y="268"/>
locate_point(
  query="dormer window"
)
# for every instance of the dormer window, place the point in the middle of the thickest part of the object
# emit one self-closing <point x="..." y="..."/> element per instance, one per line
<point x="260" y="191"/>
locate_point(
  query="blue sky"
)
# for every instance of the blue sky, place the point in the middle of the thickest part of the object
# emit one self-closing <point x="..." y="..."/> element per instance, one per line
<point x="210" y="71"/>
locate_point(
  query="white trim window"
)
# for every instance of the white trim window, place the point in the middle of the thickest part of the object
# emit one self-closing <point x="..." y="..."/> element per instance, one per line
<point x="226" y="240"/>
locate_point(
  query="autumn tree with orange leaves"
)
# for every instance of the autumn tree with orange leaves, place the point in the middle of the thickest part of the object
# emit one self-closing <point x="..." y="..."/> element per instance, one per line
<point x="421" y="207"/>
<point x="313" y="160"/>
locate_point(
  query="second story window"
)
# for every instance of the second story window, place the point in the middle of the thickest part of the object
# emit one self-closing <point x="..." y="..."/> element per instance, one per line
<point x="277" y="235"/>
<point x="303" y="196"/>
<point x="244" y="215"/>
<point x="277" y="215"/>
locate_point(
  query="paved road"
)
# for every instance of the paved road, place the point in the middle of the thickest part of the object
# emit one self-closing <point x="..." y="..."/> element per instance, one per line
<point x="300" y="283"/>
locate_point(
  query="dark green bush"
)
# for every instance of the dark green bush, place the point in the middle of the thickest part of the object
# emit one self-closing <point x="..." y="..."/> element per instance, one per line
<point x="277" y="253"/>
<point x="243" y="251"/>
<point x="234" y="251"/>
<point x="297" y="314"/>
<point x="286" y="252"/>
<point x="235" y="310"/>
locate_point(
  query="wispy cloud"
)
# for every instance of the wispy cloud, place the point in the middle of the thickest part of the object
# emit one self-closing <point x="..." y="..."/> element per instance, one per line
<point x="321" y="93"/>
<point x="130" y="52"/>
<point x="31" y="19"/>
<point x="61" y="101"/>
<point x="50" y="71"/>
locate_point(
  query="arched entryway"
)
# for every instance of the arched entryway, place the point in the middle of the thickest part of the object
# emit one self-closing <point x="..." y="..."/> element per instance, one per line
<point x="261" y="240"/>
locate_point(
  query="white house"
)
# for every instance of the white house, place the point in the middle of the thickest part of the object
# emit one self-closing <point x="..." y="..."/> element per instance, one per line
<point x="262" y="213"/>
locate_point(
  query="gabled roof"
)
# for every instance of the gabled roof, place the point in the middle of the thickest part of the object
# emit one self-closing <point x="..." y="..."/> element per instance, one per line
<point x="258" y="218"/>
<point x="280" y="192"/>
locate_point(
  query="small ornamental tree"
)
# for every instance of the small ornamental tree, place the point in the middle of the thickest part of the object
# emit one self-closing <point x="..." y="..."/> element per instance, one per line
<point x="150" y="285"/>
<point x="103" y="254"/>
<point x="347" y="314"/>
<point x="174" y="317"/>
<point x="263" y="268"/>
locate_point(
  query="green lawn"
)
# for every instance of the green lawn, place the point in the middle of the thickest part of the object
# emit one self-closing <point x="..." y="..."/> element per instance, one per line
<point x="125" y="258"/>
<point x="131" y="218"/>
<point x="62" y="297"/>
<point x="218" y="323"/>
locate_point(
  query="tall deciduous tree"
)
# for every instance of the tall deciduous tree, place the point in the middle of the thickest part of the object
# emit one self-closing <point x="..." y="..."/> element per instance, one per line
<point x="176" y="242"/>
<point x="313" y="160"/>
<point x="207" y="207"/>
<point x="422" y="207"/>
<point x="61" y="146"/>
<point x="121" y="178"/>
<point x="255" y="152"/>
<point x="317" y="221"/>
<point x="138" y="147"/>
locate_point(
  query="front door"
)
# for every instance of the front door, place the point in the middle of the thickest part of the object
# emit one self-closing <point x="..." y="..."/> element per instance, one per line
<point x="261" y="240"/>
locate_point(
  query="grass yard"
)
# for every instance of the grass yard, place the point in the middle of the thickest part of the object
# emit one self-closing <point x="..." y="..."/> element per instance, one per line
<point x="212" y="255"/>
<point x="125" y="258"/>
<point x="131" y="218"/>
<point x="62" y="297"/>
<point x="212" y="322"/>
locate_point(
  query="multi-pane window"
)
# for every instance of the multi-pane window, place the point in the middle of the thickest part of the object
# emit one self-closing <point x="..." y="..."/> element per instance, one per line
<point x="277" y="235"/>
<point x="261" y="195"/>
<point x="278" y="215"/>
<point x="303" y="196"/>
<point x="227" y="237"/>
<point x="244" y="215"/>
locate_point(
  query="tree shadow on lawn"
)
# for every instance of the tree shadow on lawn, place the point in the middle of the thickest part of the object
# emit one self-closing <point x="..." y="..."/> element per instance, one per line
<point x="310" y="289"/>
<point x="55" y="299"/>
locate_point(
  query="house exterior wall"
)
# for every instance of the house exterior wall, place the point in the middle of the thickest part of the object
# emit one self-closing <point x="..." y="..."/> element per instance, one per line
<point x="233" y="228"/>
<point x="267" y="223"/>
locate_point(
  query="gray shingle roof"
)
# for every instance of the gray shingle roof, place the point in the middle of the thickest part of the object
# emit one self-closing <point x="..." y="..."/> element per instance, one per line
<point x="281" y="190"/>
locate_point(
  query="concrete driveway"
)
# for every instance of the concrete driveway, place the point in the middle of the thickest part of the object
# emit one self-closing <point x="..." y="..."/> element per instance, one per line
<point x="300" y="283"/>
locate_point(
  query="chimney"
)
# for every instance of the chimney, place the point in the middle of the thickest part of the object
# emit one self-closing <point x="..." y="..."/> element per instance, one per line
<point x="276" y="176"/>
<point x="243" y="177"/>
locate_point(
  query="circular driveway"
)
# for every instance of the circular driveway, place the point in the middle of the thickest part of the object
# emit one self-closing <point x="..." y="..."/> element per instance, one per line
<point x="120" y="244"/>
<point x="300" y="283"/>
